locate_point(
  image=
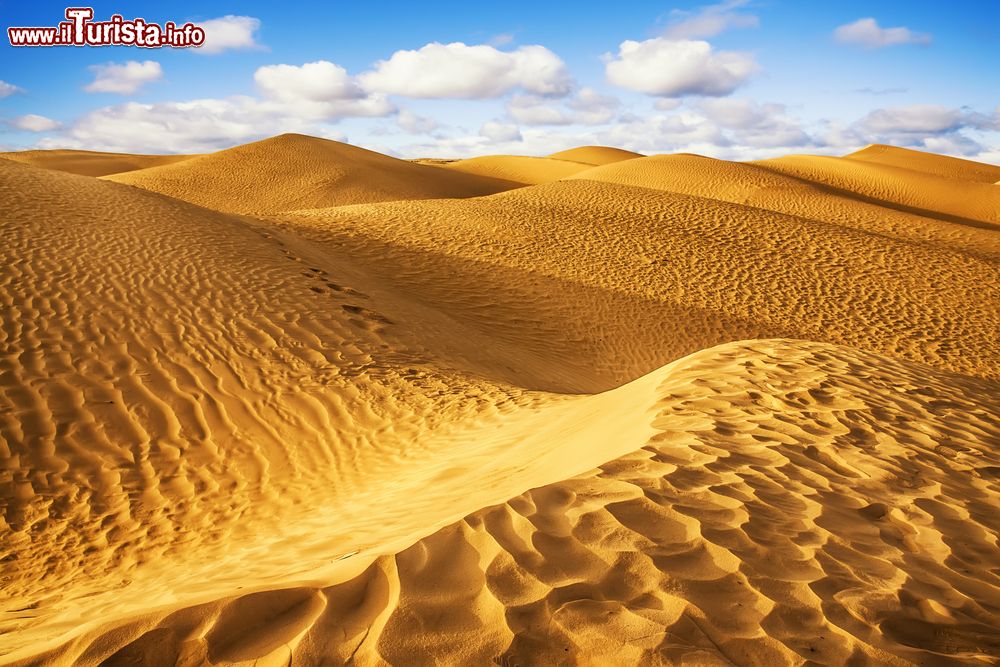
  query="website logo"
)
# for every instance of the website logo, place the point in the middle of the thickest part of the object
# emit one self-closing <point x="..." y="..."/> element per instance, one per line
<point x="79" y="29"/>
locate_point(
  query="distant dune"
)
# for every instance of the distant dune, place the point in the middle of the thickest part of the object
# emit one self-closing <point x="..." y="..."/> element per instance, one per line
<point x="518" y="168"/>
<point x="300" y="403"/>
<point x="303" y="172"/>
<point x="938" y="165"/>
<point x="595" y="155"/>
<point x="92" y="163"/>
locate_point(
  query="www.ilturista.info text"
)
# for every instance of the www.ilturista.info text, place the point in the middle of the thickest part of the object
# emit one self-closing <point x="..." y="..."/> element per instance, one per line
<point x="80" y="30"/>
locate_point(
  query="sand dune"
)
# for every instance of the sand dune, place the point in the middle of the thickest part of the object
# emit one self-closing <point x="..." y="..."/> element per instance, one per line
<point x="759" y="187"/>
<point x="931" y="163"/>
<point x="293" y="171"/>
<point x="671" y="410"/>
<point x="661" y="275"/>
<point x="595" y="155"/>
<point x="92" y="163"/>
<point x="519" y="168"/>
<point x="795" y="503"/>
<point x="963" y="202"/>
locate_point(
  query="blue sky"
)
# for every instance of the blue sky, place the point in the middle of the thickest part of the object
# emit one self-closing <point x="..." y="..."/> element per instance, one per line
<point x="738" y="79"/>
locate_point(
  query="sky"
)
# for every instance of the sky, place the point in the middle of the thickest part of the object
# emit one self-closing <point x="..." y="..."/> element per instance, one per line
<point x="738" y="79"/>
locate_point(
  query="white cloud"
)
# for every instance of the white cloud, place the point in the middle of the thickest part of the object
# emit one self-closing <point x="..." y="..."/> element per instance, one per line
<point x="929" y="127"/>
<point x="123" y="78"/>
<point x="672" y="68"/>
<point x="497" y="131"/>
<point x="229" y="32"/>
<point x="867" y="33"/>
<point x="166" y="127"/>
<point x="8" y="89"/>
<point x="319" y="89"/>
<point x="34" y="123"/>
<point x="756" y="125"/>
<point x="586" y="107"/>
<point x="414" y="124"/>
<point x="916" y="118"/>
<point x="709" y="21"/>
<point x="461" y="71"/>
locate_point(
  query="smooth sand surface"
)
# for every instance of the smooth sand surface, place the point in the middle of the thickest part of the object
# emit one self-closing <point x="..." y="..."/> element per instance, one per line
<point x="595" y="155"/>
<point x="292" y="171"/>
<point x="519" y="168"/>
<point x="654" y="410"/>
<point x="92" y="163"/>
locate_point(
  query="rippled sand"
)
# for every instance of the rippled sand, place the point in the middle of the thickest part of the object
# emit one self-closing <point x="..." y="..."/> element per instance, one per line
<point x="287" y="403"/>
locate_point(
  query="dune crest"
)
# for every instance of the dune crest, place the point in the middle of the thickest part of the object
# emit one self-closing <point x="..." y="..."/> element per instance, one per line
<point x="595" y="155"/>
<point x="293" y="171"/>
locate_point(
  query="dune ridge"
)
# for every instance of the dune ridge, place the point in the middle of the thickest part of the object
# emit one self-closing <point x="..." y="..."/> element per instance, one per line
<point x="303" y="172"/>
<point x="595" y="155"/>
<point x="663" y="410"/>
<point x="91" y="163"/>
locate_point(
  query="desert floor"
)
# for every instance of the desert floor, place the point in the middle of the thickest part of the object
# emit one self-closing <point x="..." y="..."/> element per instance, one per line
<point x="296" y="402"/>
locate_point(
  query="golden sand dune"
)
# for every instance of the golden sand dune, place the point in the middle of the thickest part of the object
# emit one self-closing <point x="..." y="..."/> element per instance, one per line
<point x="518" y="168"/>
<point x="92" y="163"/>
<point x="757" y="186"/>
<point x="293" y="171"/>
<point x="931" y="163"/>
<point x="912" y="191"/>
<point x="597" y="283"/>
<point x="595" y="155"/>
<point x="796" y="503"/>
<point x="581" y="422"/>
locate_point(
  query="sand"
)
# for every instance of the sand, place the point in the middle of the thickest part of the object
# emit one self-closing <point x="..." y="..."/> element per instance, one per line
<point x="92" y="163"/>
<point x="303" y="172"/>
<point x="653" y="410"/>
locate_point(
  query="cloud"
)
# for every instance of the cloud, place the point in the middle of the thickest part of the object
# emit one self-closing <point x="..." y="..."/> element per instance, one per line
<point x="497" y="131"/>
<point x="930" y="127"/>
<point x="709" y="21"/>
<point x="586" y="107"/>
<point x="756" y="125"/>
<point x="916" y="118"/>
<point x="229" y="32"/>
<point x="34" y="123"/>
<point x="319" y="89"/>
<point x="123" y="78"/>
<point x="880" y="91"/>
<point x="414" y="124"/>
<point x="460" y="71"/>
<point x="867" y="33"/>
<point x="194" y="126"/>
<point x="8" y="89"/>
<point x="672" y="68"/>
<point x="503" y="39"/>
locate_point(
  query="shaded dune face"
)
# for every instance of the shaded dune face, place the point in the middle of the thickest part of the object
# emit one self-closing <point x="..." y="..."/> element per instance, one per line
<point x="650" y="410"/>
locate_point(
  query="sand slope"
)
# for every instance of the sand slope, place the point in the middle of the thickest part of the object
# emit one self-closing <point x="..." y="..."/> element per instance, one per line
<point x="660" y="275"/>
<point x="797" y="503"/>
<point x="964" y="202"/>
<point x="519" y="168"/>
<point x="931" y="163"/>
<point x="663" y="414"/>
<point x="757" y="186"/>
<point x="293" y="171"/>
<point x="91" y="163"/>
<point x="595" y="155"/>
